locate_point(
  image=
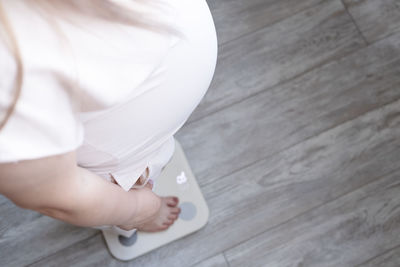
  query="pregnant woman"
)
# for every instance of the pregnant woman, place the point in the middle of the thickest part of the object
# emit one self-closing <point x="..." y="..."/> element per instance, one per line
<point x="91" y="94"/>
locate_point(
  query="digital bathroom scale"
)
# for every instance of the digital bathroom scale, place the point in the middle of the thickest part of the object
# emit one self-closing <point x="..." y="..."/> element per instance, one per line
<point x="176" y="179"/>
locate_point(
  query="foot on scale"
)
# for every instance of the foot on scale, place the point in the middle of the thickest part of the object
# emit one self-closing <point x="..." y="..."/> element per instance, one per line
<point x="176" y="179"/>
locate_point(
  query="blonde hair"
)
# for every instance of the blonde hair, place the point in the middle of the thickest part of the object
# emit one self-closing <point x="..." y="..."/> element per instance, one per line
<point x="108" y="10"/>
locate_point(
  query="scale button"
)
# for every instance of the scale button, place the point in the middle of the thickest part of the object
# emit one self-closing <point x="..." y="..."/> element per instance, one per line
<point x="188" y="211"/>
<point x="128" y="241"/>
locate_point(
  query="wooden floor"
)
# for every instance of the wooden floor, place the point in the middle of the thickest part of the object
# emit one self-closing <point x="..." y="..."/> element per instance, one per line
<point x="296" y="147"/>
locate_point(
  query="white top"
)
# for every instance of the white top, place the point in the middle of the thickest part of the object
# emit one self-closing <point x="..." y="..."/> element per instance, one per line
<point x="107" y="61"/>
<point x="135" y="88"/>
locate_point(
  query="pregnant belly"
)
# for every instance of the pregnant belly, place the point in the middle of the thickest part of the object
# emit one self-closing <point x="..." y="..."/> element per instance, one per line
<point x="132" y="131"/>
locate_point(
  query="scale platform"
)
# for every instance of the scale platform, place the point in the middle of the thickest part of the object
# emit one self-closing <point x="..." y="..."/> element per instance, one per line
<point x="176" y="179"/>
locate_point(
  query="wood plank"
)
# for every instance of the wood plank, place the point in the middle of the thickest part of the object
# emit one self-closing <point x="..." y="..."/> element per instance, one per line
<point x="93" y="252"/>
<point x="13" y="216"/>
<point x="88" y="252"/>
<point x="274" y="190"/>
<point x="291" y="112"/>
<point x="345" y="232"/>
<point x="216" y="261"/>
<point x="389" y="259"/>
<point x="26" y="236"/>
<point x="278" y="53"/>
<point x="376" y="19"/>
<point x="235" y="18"/>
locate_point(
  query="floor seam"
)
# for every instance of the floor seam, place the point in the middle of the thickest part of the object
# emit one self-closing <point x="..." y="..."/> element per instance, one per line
<point x="226" y="259"/>
<point x="302" y="141"/>
<point x="58" y="251"/>
<point x="373" y="258"/>
<point x="355" y="23"/>
<point x="280" y="83"/>
<point x="269" y="25"/>
<point x="313" y="208"/>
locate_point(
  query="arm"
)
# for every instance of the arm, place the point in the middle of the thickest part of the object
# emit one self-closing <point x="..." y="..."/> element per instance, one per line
<point x="57" y="187"/>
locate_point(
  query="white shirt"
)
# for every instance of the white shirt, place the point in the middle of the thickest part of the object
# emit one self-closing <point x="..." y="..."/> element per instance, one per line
<point x="104" y="89"/>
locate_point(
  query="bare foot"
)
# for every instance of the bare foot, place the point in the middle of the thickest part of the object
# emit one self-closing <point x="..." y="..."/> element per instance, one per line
<point x="165" y="217"/>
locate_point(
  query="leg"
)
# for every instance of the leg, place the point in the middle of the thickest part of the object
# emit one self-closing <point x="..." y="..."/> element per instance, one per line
<point x="169" y="213"/>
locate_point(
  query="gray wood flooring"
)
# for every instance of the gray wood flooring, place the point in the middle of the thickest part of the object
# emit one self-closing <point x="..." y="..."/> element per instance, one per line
<point x="296" y="147"/>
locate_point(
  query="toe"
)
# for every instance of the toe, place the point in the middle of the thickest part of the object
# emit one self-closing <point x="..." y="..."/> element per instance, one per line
<point x="175" y="210"/>
<point x="173" y="217"/>
<point x="164" y="227"/>
<point x="172" y="201"/>
<point x="168" y="222"/>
